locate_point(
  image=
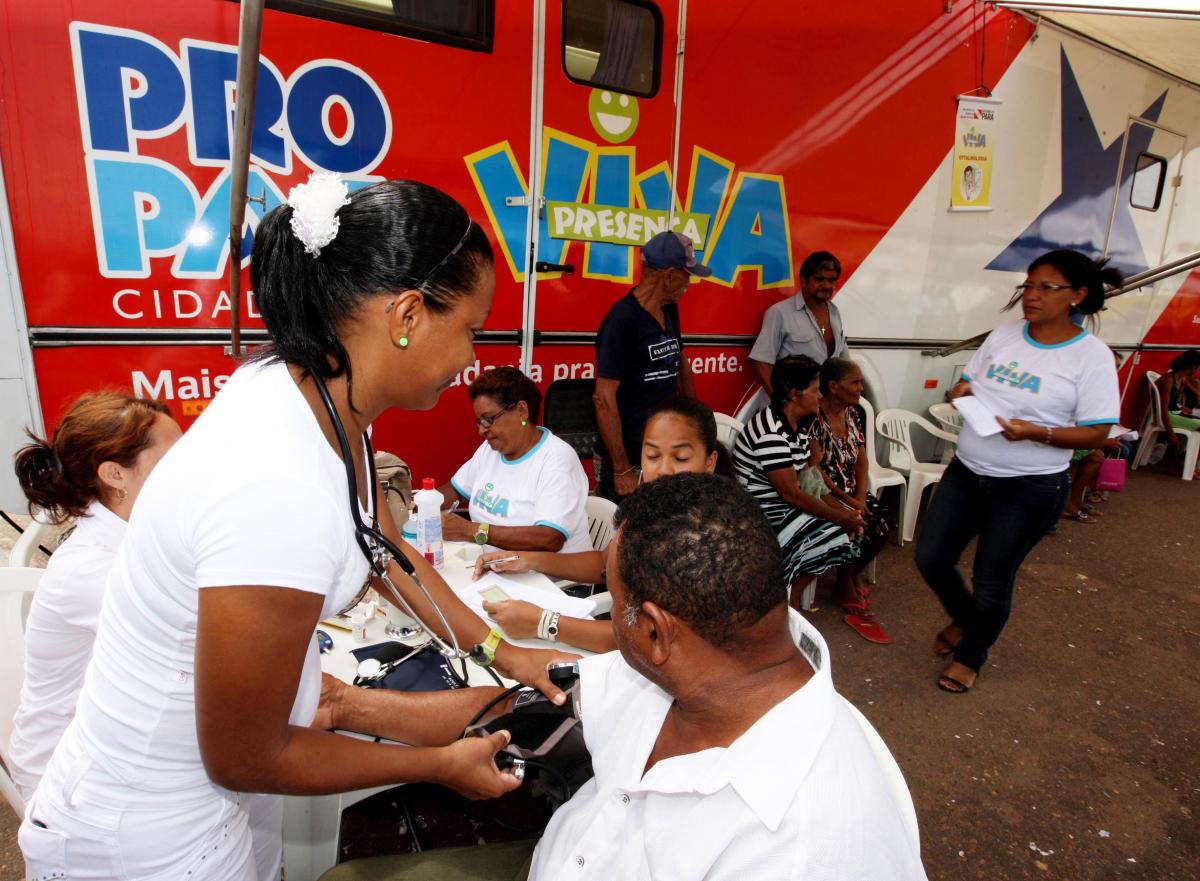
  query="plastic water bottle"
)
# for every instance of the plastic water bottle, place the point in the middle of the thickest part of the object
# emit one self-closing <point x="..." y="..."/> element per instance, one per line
<point x="409" y="532"/>
<point x="429" y="523"/>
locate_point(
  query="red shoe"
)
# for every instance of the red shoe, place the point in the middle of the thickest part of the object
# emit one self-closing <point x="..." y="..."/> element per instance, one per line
<point x="868" y="628"/>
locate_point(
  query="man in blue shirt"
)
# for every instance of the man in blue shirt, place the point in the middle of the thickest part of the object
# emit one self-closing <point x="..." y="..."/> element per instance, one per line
<point x="639" y="359"/>
<point x="806" y="324"/>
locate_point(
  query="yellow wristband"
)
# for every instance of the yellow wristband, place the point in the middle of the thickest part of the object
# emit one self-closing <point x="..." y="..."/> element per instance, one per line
<point x="494" y="638"/>
<point x="484" y="654"/>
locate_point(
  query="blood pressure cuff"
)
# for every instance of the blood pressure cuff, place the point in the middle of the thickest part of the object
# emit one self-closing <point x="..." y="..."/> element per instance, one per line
<point x="548" y="737"/>
<point x="422" y="669"/>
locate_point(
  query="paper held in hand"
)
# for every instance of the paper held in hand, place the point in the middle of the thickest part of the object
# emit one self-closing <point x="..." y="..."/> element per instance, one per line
<point x="497" y="587"/>
<point x="980" y="416"/>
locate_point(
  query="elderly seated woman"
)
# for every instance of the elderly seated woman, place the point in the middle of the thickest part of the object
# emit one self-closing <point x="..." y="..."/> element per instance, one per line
<point x="776" y="461"/>
<point x="840" y="432"/>
<point x="524" y="487"/>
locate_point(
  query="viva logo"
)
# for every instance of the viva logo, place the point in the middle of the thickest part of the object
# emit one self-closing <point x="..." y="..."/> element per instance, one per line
<point x="491" y="501"/>
<point x="133" y="90"/>
<point x="1011" y="374"/>
<point x="748" y="227"/>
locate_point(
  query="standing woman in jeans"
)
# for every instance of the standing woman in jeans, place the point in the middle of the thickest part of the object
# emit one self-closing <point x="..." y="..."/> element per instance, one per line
<point x="1056" y="384"/>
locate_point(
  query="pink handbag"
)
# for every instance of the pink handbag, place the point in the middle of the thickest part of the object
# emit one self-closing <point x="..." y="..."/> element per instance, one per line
<point x="1111" y="476"/>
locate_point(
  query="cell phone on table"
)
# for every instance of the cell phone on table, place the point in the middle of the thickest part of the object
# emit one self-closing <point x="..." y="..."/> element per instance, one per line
<point x="494" y="594"/>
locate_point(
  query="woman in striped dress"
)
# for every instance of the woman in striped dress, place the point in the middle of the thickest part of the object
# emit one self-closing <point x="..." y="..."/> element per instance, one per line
<point x="777" y="464"/>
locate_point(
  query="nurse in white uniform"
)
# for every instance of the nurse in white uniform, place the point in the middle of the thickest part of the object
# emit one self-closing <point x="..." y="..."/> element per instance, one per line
<point x="205" y="673"/>
<point x="102" y="452"/>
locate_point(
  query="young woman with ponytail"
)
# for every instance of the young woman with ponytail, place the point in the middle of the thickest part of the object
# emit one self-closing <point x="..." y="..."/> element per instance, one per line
<point x="93" y="469"/>
<point x="1053" y="386"/>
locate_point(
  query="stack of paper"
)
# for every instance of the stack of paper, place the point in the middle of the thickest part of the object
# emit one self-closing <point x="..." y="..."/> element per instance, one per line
<point x="979" y="415"/>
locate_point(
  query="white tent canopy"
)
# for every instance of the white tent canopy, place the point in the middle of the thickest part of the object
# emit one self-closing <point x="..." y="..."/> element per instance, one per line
<point x="1163" y="33"/>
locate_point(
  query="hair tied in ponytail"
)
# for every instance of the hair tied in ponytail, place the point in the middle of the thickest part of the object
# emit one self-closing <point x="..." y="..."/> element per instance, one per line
<point x="55" y="464"/>
<point x="314" y="209"/>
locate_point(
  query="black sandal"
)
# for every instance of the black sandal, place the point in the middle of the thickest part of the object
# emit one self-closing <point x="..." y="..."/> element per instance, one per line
<point x="952" y="685"/>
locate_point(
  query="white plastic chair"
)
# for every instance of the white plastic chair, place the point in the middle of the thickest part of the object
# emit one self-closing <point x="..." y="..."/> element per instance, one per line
<point x="948" y="417"/>
<point x="1151" y="424"/>
<point x="1155" y="424"/>
<point x="879" y="477"/>
<point x="728" y="430"/>
<point x="896" y="427"/>
<point x="600" y="527"/>
<point x="38" y="532"/>
<point x="17" y="585"/>
<point x="755" y="399"/>
<point x="600" y="513"/>
<point x="892" y="774"/>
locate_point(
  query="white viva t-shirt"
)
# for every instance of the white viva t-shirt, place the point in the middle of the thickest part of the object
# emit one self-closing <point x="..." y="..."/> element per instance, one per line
<point x="58" y="641"/>
<point x="251" y="495"/>
<point x="544" y="487"/>
<point x="1057" y="386"/>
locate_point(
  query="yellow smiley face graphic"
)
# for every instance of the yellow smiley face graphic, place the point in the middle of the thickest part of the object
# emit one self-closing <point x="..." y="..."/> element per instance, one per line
<point x="615" y="117"/>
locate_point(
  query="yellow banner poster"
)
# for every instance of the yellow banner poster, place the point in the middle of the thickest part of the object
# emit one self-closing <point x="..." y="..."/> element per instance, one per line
<point x="621" y="226"/>
<point x="974" y="134"/>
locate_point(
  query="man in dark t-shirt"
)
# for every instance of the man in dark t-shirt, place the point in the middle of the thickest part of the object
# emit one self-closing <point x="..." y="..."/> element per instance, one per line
<point x="639" y="359"/>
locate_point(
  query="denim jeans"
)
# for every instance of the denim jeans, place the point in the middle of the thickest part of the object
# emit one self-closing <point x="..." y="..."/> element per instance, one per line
<point x="1010" y="515"/>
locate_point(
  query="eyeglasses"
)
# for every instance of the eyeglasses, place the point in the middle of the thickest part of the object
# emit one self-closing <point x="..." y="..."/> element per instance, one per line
<point x="485" y="422"/>
<point x="1045" y="287"/>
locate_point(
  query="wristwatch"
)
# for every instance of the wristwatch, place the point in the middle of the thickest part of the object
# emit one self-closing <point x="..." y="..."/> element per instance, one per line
<point x="484" y="654"/>
<point x="552" y="627"/>
<point x="481" y="533"/>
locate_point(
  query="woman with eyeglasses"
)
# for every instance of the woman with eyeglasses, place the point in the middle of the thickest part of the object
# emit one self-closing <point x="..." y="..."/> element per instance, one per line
<point x="524" y="487"/>
<point x="1052" y="388"/>
<point x="205" y="675"/>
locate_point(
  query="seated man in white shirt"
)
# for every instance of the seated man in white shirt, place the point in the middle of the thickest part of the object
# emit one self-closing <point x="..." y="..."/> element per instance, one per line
<point x="720" y="748"/>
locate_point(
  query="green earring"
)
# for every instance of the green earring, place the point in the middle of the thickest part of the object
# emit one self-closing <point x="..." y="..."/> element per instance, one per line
<point x="523" y="423"/>
<point x="402" y="342"/>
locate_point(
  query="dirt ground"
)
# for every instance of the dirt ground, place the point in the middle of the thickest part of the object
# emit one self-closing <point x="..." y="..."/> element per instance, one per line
<point x="1077" y="756"/>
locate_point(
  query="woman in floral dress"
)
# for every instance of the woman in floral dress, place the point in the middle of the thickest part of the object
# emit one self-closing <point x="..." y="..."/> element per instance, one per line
<point x="839" y="431"/>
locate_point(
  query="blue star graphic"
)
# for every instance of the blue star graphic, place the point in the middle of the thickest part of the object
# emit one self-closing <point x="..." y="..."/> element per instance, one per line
<point x="1078" y="218"/>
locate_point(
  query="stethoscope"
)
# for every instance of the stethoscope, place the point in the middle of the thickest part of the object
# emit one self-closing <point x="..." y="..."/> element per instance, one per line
<point x="379" y="549"/>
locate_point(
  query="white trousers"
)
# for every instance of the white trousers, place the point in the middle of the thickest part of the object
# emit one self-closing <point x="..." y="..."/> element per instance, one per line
<point x="83" y="825"/>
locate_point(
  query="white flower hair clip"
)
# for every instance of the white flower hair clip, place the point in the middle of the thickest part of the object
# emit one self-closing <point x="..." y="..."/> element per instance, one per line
<point x="314" y="209"/>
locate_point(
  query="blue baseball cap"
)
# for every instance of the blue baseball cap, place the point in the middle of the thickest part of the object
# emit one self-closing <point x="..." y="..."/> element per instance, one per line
<point x="672" y="250"/>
